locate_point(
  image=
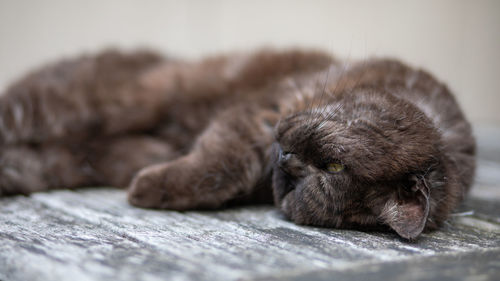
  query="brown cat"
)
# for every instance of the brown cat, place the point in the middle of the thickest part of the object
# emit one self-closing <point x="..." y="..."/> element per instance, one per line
<point x="346" y="145"/>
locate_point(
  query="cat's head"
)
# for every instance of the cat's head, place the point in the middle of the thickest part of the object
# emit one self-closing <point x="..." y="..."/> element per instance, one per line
<point x="362" y="159"/>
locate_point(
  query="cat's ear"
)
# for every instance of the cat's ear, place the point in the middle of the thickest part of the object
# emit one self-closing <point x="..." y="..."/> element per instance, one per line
<point x="407" y="214"/>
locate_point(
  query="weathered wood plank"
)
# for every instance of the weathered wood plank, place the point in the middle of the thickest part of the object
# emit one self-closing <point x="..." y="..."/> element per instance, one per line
<point x="480" y="265"/>
<point x="94" y="234"/>
<point x="39" y="243"/>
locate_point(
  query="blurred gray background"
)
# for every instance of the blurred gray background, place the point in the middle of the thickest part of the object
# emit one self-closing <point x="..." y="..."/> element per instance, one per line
<point x="457" y="40"/>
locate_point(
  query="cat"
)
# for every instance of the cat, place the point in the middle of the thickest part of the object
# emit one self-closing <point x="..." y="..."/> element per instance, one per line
<point x="365" y="144"/>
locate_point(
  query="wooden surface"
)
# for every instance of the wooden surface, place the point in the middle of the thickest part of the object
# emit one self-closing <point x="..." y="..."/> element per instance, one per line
<point x="93" y="234"/>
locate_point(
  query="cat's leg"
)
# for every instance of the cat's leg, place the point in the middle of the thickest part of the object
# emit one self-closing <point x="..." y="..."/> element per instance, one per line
<point x="220" y="76"/>
<point x="115" y="161"/>
<point x="228" y="160"/>
<point x="80" y="98"/>
<point x="26" y="169"/>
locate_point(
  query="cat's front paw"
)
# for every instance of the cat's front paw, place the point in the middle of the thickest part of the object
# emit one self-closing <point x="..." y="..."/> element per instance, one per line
<point x="146" y="189"/>
<point x="185" y="183"/>
<point x="163" y="186"/>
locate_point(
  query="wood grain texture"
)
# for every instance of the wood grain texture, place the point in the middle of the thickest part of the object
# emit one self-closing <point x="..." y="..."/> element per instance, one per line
<point x="94" y="234"/>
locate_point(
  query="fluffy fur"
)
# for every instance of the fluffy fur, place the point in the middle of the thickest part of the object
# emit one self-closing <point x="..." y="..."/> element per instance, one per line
<point x="185" y="135"/>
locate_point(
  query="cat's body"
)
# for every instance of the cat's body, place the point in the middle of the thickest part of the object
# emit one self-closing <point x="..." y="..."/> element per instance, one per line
<point x="342" y="145"/>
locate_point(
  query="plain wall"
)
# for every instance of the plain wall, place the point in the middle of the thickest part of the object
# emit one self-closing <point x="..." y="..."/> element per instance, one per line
<point x="457" y="40"/>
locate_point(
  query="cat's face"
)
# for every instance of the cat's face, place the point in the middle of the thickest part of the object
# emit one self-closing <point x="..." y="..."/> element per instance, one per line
<point x="356" y="161"/>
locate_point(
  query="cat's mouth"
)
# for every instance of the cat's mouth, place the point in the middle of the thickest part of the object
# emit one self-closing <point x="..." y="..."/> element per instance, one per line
<point x="283" y="180"/>
<point x="282" y="184"/>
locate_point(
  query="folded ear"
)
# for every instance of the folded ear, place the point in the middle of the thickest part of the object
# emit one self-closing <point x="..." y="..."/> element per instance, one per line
<point x="407" y="213"/>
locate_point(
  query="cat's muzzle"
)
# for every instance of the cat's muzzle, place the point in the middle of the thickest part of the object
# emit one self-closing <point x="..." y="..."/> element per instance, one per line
<point x="289" y="163"/>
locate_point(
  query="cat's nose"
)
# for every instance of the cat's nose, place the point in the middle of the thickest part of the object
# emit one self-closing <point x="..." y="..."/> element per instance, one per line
<point x="290" y="164"/>
<point x="283" y="157"/>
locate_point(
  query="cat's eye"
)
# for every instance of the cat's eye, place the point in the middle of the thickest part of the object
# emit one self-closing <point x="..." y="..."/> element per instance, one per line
<point x="335" y="167"/>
